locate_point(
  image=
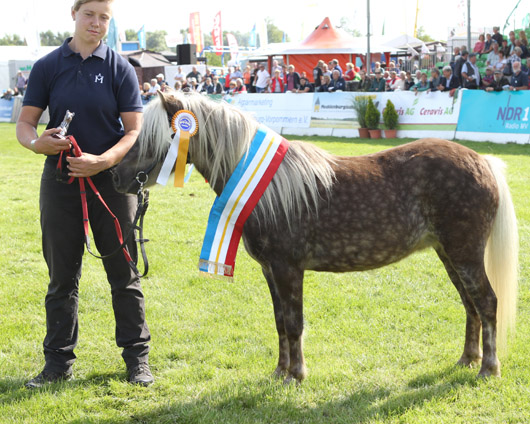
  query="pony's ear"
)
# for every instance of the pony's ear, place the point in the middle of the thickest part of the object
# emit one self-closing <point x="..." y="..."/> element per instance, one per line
<point x="163" y="99"/>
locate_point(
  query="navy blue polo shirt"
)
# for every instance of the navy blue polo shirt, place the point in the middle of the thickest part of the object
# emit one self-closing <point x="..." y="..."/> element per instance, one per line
<point x="96" y="89"/>
<point x="519" y="80"/>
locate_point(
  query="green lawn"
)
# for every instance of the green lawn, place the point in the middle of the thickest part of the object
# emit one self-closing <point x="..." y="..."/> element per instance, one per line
<point x="380" y="346"/>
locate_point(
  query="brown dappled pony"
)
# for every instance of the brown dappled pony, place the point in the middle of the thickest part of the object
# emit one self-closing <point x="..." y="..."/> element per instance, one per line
<point x="335" y="213"/>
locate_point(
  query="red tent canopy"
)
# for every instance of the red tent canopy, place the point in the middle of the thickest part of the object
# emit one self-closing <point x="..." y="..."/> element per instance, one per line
<point x="326" y="43"/>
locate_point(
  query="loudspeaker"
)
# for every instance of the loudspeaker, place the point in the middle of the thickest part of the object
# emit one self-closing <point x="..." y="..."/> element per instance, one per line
<point x="187" y="54"/>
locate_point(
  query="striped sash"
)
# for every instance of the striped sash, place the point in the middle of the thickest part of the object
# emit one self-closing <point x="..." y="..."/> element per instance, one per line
<point x="241" y="194"/>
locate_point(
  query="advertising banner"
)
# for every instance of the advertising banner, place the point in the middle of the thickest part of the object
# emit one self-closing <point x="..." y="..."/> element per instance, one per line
<point x="195" y="31"/>
<point x="6" y="110"/>
<point x="217" y="34"/>
<point x="276" y="110"/>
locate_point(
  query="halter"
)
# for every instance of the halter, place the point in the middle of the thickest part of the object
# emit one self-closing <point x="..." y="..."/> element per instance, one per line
<point x="137" y="224"/>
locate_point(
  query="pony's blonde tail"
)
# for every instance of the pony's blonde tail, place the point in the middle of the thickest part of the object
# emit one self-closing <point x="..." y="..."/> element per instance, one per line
<point x="501" y="257"/>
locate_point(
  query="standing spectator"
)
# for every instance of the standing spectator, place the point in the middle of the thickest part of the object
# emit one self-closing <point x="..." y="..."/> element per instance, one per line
<point x="194" y="74"/>
<point x="262" y="80"/>
<point x="276" y="83"/>
<point x="378" y="84"/>
<point x="519" y="79"/>
<point x="448" y="82"/>
<point x="324" y="87"/>
<point x="479" y="45"/>
<point x="506" y="50"/>
<point x="292" y="79"/>
<point x="459" y="64"/>
<point x="454" y="57"/>
<point x="434" y="81"/>
<point x="222" y="78"/>
<point x="337" y="83"/>
<point x="21" y="83"/>
<point x="493" y="55"/>
<point x="246" y="77"/>
<point x="334" y="64"/>
<point x="500" y="82"/>
<point x="179" y="76"/>
<point x="317" y="74"/>
<point x="497" y="36"/>
<point x="470" y="73"/>
<point x="276" y="65"/>
<point x="305" y="86"/>
<point x="511" y="41"/>
<point x="237" y="73"/>
<point x="228" y="78"/>
<point x="107" y="123"/>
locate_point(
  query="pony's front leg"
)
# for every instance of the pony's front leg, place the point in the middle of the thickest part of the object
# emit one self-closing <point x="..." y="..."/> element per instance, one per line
<point x="289" y="285"/>
<point x="283" y="359"/>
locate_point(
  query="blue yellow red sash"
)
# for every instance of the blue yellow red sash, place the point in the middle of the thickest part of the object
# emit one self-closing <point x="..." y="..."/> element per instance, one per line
<point x="241" y="194"/>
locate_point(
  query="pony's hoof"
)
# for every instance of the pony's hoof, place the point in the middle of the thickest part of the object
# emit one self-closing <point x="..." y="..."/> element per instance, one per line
<point x="469" y="361"/>
<point x="486" y="372"/>
<point x="279" y="372"/>
<point x="290" y="380"/>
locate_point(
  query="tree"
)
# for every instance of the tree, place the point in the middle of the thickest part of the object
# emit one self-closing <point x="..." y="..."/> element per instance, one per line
<point x="48" y="38"/>
<point x="156" y="41"/>
<point x="12" y="40"/>
<point x="345" y="24"/>
<point x="274" y="34"/>
<point x="423" y="36"/>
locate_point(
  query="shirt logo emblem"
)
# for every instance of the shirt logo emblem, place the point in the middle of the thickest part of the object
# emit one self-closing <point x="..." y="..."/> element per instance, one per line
<point x="99" y="78"/>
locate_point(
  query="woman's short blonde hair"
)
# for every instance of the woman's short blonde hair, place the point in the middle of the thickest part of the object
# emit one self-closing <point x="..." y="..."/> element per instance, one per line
<point x="78" y="3"/>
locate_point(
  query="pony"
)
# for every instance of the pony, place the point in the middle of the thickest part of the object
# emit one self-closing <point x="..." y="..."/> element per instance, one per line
<point x="334" y="213"/>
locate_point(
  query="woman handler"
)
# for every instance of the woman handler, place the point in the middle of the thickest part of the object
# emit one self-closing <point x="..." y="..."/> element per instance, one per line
<point x="100" y="87"/>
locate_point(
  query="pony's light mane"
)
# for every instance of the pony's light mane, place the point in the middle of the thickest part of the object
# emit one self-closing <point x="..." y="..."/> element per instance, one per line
<point x="224" y="137"/>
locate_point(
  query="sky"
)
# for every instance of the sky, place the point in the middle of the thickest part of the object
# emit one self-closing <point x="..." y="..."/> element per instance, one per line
<point x="296" y="18"/>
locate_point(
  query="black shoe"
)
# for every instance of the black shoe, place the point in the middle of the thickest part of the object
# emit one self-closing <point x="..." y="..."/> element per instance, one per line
<point x="140" y="374"/>
<point x="48" y="377"/>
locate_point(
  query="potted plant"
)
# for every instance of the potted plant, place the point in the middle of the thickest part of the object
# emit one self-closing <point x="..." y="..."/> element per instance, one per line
<point x="390" y="118"/>
<point x="372" y="119"/>
<point x="360" y="103"/>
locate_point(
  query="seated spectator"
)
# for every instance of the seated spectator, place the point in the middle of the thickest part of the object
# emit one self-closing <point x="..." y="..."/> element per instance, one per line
<point x="500" y="82"/>
<point x="488" y="44"/>
<point x="479" y="45"/>
<point x="194" y="74"/>
<point x="470" y="74"/>
<point x="305" y="86"/>
<point x="326" y="71"/>
<point x="337" y="82"/>
<point x="192" y="84"/>
<point x="493" y="55"/>
<point x="409" y="81"/>
<point x="276" y="84"/>
<point x="154" y="86"/>
<point x="392" y="78"/>
<point x="207" y="87"/>
<point x="399" y="83"/>
<point x="8" y="94"/>
<point x="240" y="87"/>
<point x="364" y="81"/>
<point x="217" y="86"/>
<point x="292" y="79"/>
<point x="377" y="66"/>
<point x="519" y="79"/>
<point x="146" y="91"/>
<point x="422" y="84"/>
<point x="324" y="87"/>
<point x="177" y="86"/>
<point x="378" y="84"/>
<point x="231" y="87"/>
<point x="511" y="41"/>
<point x="417" y="76"/>
<point x="448" y="82"/>
<point x="488" y="78"/>
<point x="434" y="81"/>
<point x="506" y="50"/>
<point x="349" y="75"/>
<point x="502" y="61"/>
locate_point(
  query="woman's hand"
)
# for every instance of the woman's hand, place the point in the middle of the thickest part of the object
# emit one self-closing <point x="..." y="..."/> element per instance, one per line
<point x="85" y="165"/>
<point x="47" y="144"/>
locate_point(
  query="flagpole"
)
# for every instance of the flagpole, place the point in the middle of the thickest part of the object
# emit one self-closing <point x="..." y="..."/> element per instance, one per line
<point x="368" y="58"/>
<point x="468" y="25"/>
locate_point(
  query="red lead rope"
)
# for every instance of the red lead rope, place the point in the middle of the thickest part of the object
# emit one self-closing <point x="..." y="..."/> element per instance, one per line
<point x="82" y="189"/>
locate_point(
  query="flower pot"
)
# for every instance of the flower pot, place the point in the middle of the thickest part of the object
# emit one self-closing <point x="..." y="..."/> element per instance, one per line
<point x="390" y="133"/>
<point x="364" y="133"/>
<point x="375" y="133"/>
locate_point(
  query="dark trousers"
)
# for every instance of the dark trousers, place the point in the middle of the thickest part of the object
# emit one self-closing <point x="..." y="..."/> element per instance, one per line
<point x="63" y="247"/>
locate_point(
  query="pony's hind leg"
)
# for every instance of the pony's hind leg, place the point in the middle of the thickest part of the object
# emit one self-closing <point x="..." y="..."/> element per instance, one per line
<point x="288" y="282"/>
<point x="472" y="352"/>
<point x="477" y="286"/>
<point x="283" y="359"/>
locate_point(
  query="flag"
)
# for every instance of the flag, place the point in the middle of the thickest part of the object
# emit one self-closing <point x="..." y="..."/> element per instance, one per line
<point x="113" y="36"/>
<point x="284" y="37"/>
<point x="234" y="48"/>
<point x="217" y="34"/>
<point x="383" y="30"/>
<point x="262" y="33"/>
<point x="252" y="39"/>
<point x="141" y="38"/>
<point x="195" y="31"/>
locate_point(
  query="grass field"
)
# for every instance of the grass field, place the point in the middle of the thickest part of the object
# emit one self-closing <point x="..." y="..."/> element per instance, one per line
<point x="380" y="346"/>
